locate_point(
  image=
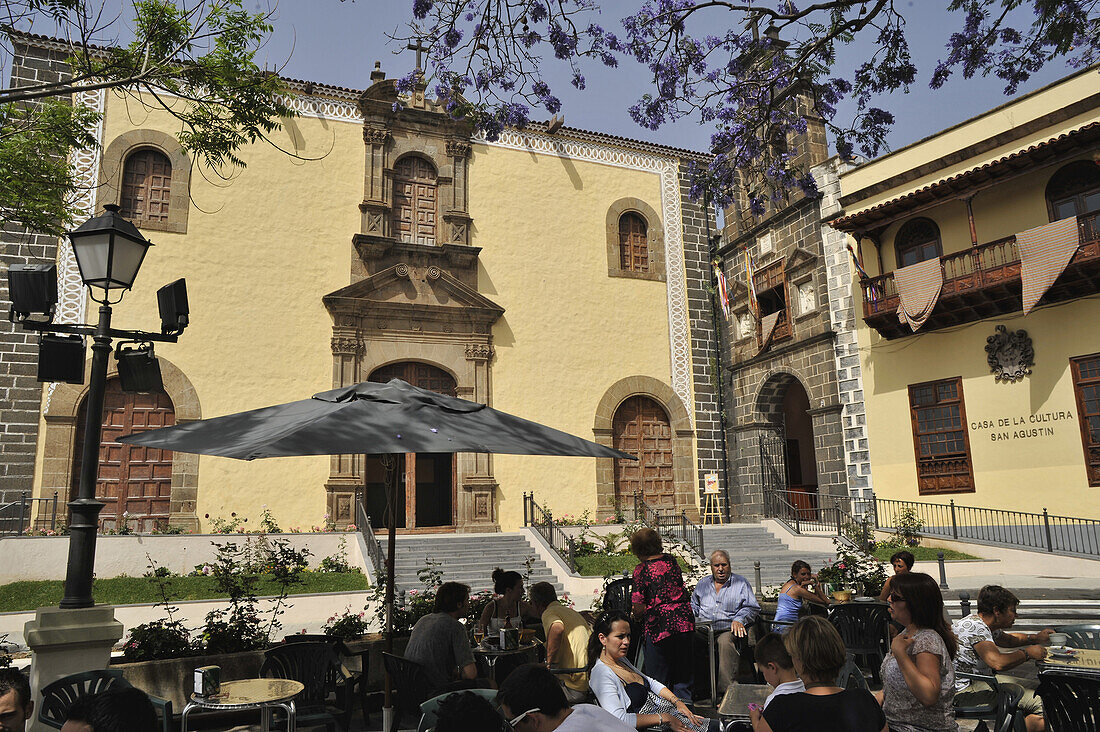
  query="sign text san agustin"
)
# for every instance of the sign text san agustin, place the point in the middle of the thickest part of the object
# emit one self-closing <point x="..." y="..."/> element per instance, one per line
<point x="1039" y="424"/>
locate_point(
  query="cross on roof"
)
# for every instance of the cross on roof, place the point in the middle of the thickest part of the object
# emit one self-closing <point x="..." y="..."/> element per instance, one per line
<point x="420" y="48"/>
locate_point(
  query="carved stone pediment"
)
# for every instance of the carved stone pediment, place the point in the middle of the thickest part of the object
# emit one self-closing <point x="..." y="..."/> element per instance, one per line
<point x="799" y="259"/>
<point x="414" y="297"/>
<point x="1010" y="354"/>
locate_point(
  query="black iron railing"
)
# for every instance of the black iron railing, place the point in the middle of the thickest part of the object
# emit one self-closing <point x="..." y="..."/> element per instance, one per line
<point x="19" y="517"/>
<point x="1018" y="529"/>
<point x="374" y="547"/>
<point x="542" y="521"/>
<point x="818" y="517"/>
<point x="680" y="528"/>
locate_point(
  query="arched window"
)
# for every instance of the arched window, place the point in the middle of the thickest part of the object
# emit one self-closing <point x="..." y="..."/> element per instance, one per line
<point x="415" y="187"/>
<point x="1074" y="190"/>
<point x="916" y="241"/>
<point x="633" y="243"/>
<point x="146" y="186"/>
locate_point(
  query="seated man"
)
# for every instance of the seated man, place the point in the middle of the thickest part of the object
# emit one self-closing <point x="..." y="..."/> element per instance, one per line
<point x="438" y="642"/>
<point x="117" y="709"/>
<point x="464" y="710"/>
<point x="566" y="639"/>
<point x="532" y="700"/>
<point x="979" y="636"/>
<point x="16" y="704"/>
<point x="726" y="600"/>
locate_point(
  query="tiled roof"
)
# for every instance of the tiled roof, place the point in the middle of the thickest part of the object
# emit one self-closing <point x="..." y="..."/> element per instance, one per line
<point x="968" y="178"/>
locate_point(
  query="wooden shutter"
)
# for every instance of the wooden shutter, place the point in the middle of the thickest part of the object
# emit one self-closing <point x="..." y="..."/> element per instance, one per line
<point x="415" y="189"/>
<point x="633" y="243"/>
<point x="146" y="186"/>
<point x="940" y="439"/>
<point x="1086" y="388"/>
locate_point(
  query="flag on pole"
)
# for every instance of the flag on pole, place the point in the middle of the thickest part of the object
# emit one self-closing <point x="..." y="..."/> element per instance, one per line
<point x="749" y="267"/>
<point x="723" y="291"/>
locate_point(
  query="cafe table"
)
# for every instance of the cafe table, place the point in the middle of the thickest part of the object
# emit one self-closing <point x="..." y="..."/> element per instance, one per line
<point x="262" y="694"/>
<point x="492" y="654"/>
<point x="1084" y="660"/>
<point x="735" y="702"/>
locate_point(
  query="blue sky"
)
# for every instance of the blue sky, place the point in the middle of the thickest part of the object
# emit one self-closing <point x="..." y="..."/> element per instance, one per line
<point x="338" y="42"/>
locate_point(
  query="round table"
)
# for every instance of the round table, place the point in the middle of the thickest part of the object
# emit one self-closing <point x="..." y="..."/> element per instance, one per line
<point x="492" y="654"/>
<point x="262" y="694"/>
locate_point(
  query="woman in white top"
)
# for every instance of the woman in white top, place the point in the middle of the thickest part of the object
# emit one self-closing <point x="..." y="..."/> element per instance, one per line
<point x="509" y="609"/>
<point x="626" y="692"/>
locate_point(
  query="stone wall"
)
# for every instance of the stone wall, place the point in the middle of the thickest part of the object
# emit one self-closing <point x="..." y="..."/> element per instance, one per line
<point x="844" y="309"/>
<point x="20" y="392"/>
<point x="704" y="343"/>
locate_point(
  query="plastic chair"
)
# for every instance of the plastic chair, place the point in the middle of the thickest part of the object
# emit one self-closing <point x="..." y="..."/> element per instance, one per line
<point x="617" y="597"/>
<point x="1083" y="636"/>
<point x="863" y="626"/>
<point x="354" y="680"/>
<point x="1001" y="709"/>
<point x="318" y="668"/>
<point x="430" y="708"/>
<point x="1071" y="700"/>
<point x="410" y="683"/>
<point x="850" y="677"/>
<point x="59" y="695"/>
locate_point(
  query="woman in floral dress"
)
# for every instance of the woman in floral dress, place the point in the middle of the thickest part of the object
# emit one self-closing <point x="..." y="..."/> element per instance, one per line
<point x="660" y="597"/>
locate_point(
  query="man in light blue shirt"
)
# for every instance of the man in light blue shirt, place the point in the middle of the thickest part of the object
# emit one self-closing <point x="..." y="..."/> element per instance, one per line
<point x="726" y="600"/>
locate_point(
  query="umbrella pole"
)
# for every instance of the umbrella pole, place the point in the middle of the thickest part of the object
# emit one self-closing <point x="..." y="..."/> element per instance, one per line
<point x="389" y="463"/>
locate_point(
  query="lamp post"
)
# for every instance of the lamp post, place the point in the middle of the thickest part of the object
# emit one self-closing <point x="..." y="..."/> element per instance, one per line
<point x="109" y="251"/>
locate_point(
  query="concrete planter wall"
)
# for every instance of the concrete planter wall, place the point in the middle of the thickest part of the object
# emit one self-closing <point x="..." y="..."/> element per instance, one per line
<point x="172" y="678"/>
<point x="44" y="557"/>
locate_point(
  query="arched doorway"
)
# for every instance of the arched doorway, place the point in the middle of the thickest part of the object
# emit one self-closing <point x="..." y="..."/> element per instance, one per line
<point x="431" y="502"/>
<point x="642" y="428"/>
<point x="133" y="480"/>
<point x="799" y="450"/>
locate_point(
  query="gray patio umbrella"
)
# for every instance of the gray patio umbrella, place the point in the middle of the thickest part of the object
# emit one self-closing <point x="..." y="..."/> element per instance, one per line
<point x="374" y="419"/>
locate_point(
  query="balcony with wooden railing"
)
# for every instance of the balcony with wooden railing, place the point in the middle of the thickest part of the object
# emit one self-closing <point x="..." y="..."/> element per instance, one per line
<point x="984" y="281"/>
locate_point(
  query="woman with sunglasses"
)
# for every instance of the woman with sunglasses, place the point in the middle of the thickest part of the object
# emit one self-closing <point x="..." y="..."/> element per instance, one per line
<point x="630" y="695"/>
<point x="918" y="677"/>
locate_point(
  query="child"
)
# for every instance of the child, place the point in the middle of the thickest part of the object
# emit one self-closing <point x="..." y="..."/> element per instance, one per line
<point x="775" y="663"/>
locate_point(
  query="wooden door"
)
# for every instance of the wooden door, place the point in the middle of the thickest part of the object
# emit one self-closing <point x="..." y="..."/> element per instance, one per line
<point x="426" y="490"/>
<point x="642" y="428"/>
<point x="133" y="479"/>
<point x="414" y="200"/>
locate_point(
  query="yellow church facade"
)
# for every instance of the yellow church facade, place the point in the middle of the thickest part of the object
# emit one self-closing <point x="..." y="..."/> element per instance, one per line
<point x="560" y="276"/>
<point x="973" y="396"/>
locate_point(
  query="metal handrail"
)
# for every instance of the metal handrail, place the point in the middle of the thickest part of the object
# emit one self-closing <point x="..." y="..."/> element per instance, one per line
<point x="15" y="517"/>
<point x="1017" y="529"/>
<point x="542" y="521"/>
<point x="680" y="528"/>
<point x="778" y="508"/>
<point x="374" y="547"/>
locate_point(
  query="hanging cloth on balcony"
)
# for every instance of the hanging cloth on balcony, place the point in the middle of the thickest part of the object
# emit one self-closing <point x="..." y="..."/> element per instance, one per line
<point x="918" y="288"/>
<point x="1044" y="253"/>
<point x="767" y="327"/>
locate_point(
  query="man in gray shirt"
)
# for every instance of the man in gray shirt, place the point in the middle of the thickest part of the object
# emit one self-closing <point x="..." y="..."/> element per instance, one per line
<point x="439" y="643"/>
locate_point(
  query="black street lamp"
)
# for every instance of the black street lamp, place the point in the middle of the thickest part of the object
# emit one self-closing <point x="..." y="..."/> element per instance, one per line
<point x="109" y="251"/>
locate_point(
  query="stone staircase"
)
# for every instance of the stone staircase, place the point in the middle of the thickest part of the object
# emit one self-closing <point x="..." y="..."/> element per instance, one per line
<point x="747" y="543"/>
<point x="467" y="558"/>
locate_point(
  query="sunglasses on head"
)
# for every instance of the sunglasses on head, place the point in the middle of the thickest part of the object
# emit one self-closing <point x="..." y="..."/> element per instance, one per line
<point x="513" y="722"/>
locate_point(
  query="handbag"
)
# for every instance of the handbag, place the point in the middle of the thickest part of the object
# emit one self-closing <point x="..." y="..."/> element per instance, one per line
<point x="655" y="704"/>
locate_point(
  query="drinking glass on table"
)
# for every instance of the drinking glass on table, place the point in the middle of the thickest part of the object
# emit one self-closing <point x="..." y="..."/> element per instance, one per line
<point x="479" y="635"/>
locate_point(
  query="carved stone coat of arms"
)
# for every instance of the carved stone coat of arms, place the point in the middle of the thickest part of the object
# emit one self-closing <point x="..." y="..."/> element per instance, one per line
<point x="1010" y="355"/>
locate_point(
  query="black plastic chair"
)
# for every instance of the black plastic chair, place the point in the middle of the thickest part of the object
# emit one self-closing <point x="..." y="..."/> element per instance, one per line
<point x="1000" y="710"/>
<point x="1071" y="700"/>
<point x="617" y="597"/>
<point x="317" y="667"/>
<point x="59" y="695"/>
<point x="410" y="683"/>
<point x="354" y="680"/>
<point x="863" y="627"/>
<point x="850" y="677"/>
<point x="1083" y="636"/>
